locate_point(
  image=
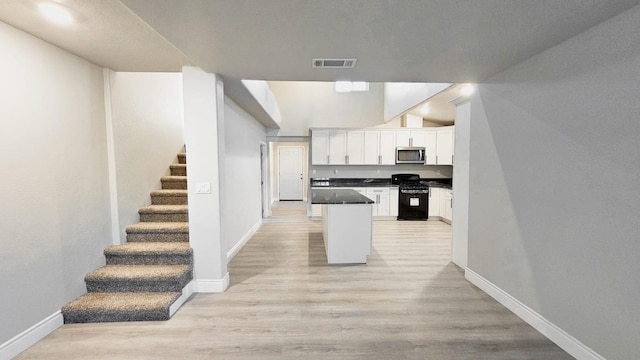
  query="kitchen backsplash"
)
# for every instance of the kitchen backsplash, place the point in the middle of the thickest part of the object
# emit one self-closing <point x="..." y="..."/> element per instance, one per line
<point x="368" y="171"/>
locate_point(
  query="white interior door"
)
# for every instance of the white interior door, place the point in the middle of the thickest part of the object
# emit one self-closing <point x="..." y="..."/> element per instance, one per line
<point x="290" y="165"/>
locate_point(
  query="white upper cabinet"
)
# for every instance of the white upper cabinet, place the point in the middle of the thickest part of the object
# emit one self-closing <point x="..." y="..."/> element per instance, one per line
<point x="407" y="138"/>
<point x="430" y="141"/>
<point x="387" y="148"/>
<point x="378" y="147"/>
<point x="355" y="147"/>
<point x="444" y="146"/>
<point x="337" y="147"/>
<point x="320" y="147"/>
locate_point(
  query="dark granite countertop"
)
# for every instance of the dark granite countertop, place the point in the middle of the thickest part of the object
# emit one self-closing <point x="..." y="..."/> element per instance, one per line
<point x="338" y="196"/>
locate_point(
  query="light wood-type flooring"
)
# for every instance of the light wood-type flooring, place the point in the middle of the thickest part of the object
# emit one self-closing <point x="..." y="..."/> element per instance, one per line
<point x="284" y="302"/>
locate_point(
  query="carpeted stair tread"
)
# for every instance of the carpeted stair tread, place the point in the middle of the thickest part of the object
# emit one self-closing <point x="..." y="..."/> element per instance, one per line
<point x="178" y="169"/>
<point x="182" y="158"/>
<point x="164" y="213"/>
<point x="164" y="209"/>
<point x="149" y="248"/>
<point x="174" y="182"/>
<point x="158" y="227"/>
<point x="122" y="306"/>
<point x="169" y="197"/>
<point x="169" y="192"/>
<point x="139" y="278"/>
<point x="138" y="272"/>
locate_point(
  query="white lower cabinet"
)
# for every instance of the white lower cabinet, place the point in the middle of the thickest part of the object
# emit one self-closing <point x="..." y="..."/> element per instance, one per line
<point x="434" y="202"/>
<point x="393" y="201"/>
<point x="447" y="199"/>
<point x="381" y="197"/>
<point x="386" y="201"/>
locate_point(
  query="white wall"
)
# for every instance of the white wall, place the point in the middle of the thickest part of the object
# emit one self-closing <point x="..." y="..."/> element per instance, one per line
<point x="554" y="190"/>
<point x="203" y="99"/>
<point x="460" y="221"/>
<point x="148" y="130"/>
<point x="242" y="207"/>
<point x="305" y="104"/>
<point x="54" y="191"/>
<point x="400" y="97"/>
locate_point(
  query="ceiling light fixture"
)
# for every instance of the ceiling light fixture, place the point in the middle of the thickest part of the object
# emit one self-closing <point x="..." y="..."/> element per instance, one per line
<point x="349" y="86"/>
<point x="424" y="110"/>
<point x="467" y="89"/>
<point x="56" y="13"/>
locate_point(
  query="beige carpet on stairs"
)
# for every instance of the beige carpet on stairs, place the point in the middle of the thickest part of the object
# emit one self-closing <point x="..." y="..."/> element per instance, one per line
<point x="143" y="277"/>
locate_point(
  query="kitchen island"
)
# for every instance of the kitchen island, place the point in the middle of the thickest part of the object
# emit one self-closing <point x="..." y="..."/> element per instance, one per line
<point x="347" y="224"/>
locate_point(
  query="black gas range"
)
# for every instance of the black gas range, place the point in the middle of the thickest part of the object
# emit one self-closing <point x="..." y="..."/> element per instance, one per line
<point x="413" y="198"/>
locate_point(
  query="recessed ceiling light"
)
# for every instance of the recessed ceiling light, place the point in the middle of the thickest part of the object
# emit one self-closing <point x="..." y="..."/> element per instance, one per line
<point x="56" y="13"/>
<point x="424" y="110"/>
<point x="467" y="89"/>
<point x="349" y="86"/>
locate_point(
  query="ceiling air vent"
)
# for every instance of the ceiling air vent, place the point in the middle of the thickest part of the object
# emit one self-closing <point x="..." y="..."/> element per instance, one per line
<point x="334" y="63"/>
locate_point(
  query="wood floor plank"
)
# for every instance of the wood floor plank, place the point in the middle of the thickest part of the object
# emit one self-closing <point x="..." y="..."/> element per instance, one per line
<point x="284" y="302"/>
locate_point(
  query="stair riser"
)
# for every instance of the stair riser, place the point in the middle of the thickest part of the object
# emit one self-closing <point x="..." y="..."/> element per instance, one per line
<point x="73" y="317"/>
<point x="158" y="237"/>
<point x="174" y="185"/>
<point x="149" y="259"/>
<point x="169" y="200"/>
<point x="120" y="285"/>
<point x="178" y="170"/>
<point x="182" y="158"/>
<point x="164" y="217"/>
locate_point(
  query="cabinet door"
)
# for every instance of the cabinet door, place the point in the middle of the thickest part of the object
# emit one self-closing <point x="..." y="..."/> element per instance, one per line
<point x="355" y="147"/>
<point x="372" y="147"/>
<point x="430" y="137"/>
<point x="337" y="147"/>
<point x="444" y="146"/>
<point x="448" y="206"/>
<point x="403" y="138"/>
<point x="387" y="148"/>
<point x="434" y="202"/>
<point x="418" y="138"/>
<point x="383" y="205"/>
<point x="393" y="201"/>
<point x="320" y="147"/>
<point x="443" y="202"/>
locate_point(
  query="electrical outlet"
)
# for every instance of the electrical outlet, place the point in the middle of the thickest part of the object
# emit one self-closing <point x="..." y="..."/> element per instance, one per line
<point x="335" y="171"/>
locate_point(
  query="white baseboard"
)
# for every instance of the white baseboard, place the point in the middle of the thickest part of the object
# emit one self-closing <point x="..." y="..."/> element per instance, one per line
<point x="32" y="335"/>
<point x="564" y="340"/>
<point x="234" y="251"/>
<point x="187" y="291"/>
<point x="212" y="285"/>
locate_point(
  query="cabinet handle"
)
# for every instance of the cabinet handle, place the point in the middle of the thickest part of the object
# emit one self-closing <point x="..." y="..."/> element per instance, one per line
<point x="452" y="159"/>
<point x="380" y="159"/>
<point x="436" y="159"/>
<point x="328" y="159"/>
<point x="410" y="141"/>
<point x="346" y="159"/>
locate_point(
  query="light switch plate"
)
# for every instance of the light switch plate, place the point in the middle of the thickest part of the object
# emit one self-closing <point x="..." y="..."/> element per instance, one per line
<point x="203" y="188"/>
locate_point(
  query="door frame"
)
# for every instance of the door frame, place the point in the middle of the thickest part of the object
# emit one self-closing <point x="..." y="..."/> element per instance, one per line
<point x="264" y="179"/>
<point x="303" y="165"/>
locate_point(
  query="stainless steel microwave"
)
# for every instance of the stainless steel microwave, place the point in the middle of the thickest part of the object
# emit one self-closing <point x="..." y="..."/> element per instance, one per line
<point x="410" y="155"/>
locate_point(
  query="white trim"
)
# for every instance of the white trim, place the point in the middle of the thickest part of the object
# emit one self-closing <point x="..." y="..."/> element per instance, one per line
<point x="564" y="340"/>
<point x="213" y="285"/>
<point x="111" y="159"/>
<point x="187" y="291"/>
<point x="240" y="244"/>
<point x="32" y="335"/>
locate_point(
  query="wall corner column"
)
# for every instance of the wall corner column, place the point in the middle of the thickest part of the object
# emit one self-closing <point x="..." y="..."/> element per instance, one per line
<point x="203" y="115"/>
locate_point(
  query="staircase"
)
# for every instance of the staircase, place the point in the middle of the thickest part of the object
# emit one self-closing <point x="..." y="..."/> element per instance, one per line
<point x="143" y="278"/>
